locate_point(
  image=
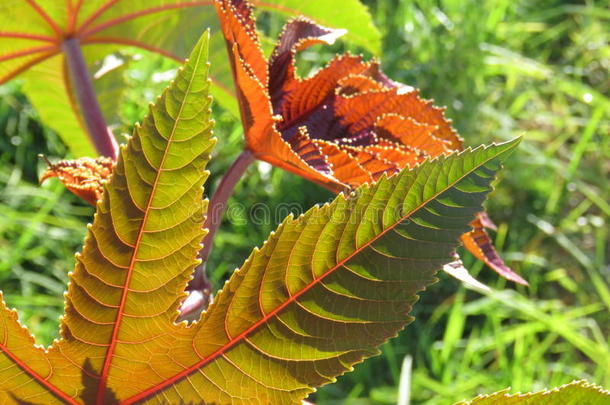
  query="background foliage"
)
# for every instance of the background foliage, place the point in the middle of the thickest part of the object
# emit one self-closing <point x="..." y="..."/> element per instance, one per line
<point x="503" y="68"/>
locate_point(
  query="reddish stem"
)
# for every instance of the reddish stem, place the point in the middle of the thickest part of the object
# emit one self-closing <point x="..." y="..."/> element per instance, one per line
<point x="217" y="207"/>
<point x="90" y="109"/>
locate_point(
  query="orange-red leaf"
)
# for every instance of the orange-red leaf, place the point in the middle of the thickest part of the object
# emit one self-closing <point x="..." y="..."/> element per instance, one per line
<point x="478" y="242"/>
<point x="85" y="177"/>
<point x="342" y="127"/>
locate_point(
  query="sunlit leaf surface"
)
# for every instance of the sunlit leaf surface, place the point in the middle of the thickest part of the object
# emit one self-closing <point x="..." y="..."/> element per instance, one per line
<point x="320" y="295"/>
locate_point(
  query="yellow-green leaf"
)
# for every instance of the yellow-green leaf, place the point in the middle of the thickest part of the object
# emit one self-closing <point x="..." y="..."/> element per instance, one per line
<point x="129" y="280"/>
<point x="350" y="15"/>
<point x="329" y="287"/>
<point x="45" y="84"/>
<point x="321" y="295"/>
<point x="24" y="368"/>
<point x="141" y="249"/>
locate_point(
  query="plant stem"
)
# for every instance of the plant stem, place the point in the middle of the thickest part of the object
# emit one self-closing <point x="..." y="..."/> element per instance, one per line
<point x="218" y="202"/>
<point x="102" y="138"/>
<point x="217" y="207"/>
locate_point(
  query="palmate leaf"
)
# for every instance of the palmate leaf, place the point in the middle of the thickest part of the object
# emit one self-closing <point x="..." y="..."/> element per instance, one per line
<point x="32" y="33"/>
<point x="326" y="289"/>
<point x="574" y="393"/>
<point x="320" y="295"/>
<point x="346" y="125"/>
<point x="342" y="127"/>
<point x="138" y="256"/>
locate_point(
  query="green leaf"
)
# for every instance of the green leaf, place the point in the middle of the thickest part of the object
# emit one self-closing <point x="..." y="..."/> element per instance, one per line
<point x="45" y="86"/>
<point x="147" y="223"/>
<point x="18" y="352"/>
<point x="321" y="294"/>
<point x="139" y="253"/>
<point x="574" y="393"/>
<point x="329" y="287"/>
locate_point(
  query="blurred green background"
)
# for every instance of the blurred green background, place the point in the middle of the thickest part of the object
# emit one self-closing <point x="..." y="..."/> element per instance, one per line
<point x="503" y="68"/>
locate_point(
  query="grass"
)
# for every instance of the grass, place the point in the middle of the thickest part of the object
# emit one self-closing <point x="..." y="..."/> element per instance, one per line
<point x="504" y="68"/>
